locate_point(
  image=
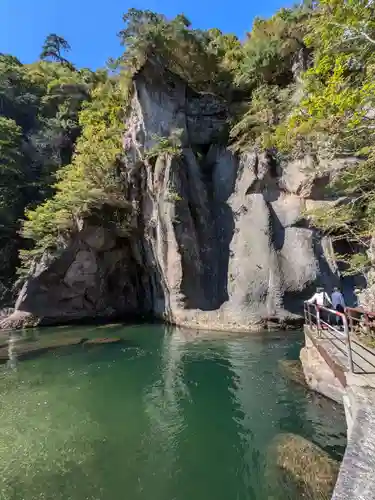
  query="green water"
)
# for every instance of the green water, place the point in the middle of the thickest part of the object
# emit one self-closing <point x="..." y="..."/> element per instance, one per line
<point x="169" y="414"/>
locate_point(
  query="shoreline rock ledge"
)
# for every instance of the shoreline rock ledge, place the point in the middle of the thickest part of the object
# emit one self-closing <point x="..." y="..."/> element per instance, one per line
<point x="218" y="241"/>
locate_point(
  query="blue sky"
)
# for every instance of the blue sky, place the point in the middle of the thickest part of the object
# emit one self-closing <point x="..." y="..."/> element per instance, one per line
<point x="90" y="26"/>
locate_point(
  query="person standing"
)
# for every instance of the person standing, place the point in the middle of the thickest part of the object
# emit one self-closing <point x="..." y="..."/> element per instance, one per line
<point x="338" y="303"/>
<point x="357" y="292"/>
<point x="321" y="298"/>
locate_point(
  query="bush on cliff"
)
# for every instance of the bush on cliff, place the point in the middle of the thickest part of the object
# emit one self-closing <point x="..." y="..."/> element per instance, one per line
<point x="336" y="115"/>
<point x="94" y="176"/>
<point x="39" y="106"/>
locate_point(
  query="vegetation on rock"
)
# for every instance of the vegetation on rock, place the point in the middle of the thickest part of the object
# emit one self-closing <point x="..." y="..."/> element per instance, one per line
<point x="94" y="177"/>
<point x="301" y="81"/>
<point x="39" y="108"/>
<point x="302" y="469"/>
<point x="336" y="116"/>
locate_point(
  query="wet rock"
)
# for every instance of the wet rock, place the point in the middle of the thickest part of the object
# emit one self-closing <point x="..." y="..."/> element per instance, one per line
<point x="5" y="312"/>
<point x="101" y="341"/>
<point x="292" y="370"/>
<point x="318" y="375"/>
<point x="22" y="350"/>
<point x="300" y="469"/>
<point x="19" y="319"/>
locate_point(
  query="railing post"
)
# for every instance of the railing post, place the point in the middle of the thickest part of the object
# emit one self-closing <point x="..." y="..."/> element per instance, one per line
<point x="367" y="324"/>
<point x="308" y="314"/>
<point x="347" y="340"/>
<point x="318" y="325"/>
<point x="350" y="321"/>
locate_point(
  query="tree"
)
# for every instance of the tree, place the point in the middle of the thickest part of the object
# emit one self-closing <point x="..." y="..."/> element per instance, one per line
<point x="336" y="114"/>
<point x="272" y="45"/>
<point x="39" y="107"/>
<point x="184" y="50"/>
<point x="53" y="48"/>
<point x="92" y="180"/>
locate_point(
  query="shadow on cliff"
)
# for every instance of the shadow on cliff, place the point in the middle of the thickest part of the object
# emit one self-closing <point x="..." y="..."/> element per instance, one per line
<point x="205" y="281"/>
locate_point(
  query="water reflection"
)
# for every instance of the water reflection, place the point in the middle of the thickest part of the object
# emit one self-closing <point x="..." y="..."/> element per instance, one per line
<point x="173" y="414"/>
<point x="258" y="402"/>
<point x="12" y="353"/>
<point x="162" y="401"/>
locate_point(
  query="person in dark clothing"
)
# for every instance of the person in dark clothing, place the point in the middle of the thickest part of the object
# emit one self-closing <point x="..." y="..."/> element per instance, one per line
<point x="338" y="303"/>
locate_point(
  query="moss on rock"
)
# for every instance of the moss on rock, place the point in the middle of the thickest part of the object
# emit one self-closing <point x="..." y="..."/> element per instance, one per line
<point x="300" y="469"/>
<point x="292" y="370"/>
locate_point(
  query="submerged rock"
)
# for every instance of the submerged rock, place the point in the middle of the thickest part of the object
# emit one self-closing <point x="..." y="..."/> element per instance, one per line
<point x="292" y="369"/>
<point x="300" y="469"/>
<point x="101" y="341"/>
<point x="21" y="350"/>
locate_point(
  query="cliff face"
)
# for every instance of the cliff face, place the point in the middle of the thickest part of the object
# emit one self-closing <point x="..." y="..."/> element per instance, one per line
<point x="218" y="241"/>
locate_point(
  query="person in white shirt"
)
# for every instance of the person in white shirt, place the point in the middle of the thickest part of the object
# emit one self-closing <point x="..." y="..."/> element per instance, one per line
<point x="320" y="298"/>
<point x="357" y="293"/>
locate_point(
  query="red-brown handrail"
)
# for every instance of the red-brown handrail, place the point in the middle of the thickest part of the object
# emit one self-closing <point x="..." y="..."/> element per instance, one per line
<point x="354" y="320"/>
<point x="319" y="324"/>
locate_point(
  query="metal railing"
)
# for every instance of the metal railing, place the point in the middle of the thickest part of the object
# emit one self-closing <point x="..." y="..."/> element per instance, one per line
<point x="341" y="330"/>
<point x="360" y="321"/>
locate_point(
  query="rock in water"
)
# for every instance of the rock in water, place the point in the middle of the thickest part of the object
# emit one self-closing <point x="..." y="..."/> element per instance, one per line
<point x="28" y="350"/>
<point x="292" y="369"/>
<point x="103" y="341"/>
<point x="299" y="469"/>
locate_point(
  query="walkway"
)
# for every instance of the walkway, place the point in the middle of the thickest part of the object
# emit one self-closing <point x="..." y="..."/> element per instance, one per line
<point x="353" y="365"/>
<point x="342" y="343"/>
<point x="356" y="480"/>
<point x="335" y="344"/>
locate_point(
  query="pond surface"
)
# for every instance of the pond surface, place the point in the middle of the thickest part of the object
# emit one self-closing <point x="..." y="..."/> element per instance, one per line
<point x="167" y="414"/>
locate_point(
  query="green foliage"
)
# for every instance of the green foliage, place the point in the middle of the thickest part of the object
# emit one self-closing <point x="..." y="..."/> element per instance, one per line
<point x="53" y="48"/>
<point x="265" y="69"/>
<point x="94" y="177"/>
<point x="167" y="146"/>
<point x="39" y="106"/>
<point x="336" y="114"/>
<point x="271" y="47"/>
<point x="173" y="196"/>
<point x="260" y="118"/>
<point x="199" y="57"/>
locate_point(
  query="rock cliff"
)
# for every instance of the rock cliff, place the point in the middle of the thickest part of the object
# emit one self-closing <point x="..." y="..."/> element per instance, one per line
<point x="218" y="241"/>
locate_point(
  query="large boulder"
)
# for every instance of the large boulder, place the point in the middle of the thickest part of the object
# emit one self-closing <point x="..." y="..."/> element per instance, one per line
<point x="88" y="279"/>
<point x="298" y="468"/>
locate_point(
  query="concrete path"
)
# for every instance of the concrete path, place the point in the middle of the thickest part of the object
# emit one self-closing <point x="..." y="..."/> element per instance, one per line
<point x="356" y="480"/>
<point x="363" y="357"/>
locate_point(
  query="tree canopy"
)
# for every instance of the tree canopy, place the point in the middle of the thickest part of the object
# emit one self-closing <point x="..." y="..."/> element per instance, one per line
<point x="39" y="109"/>
<point x="53" y="48"/>
<point x="335" y="116"/>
